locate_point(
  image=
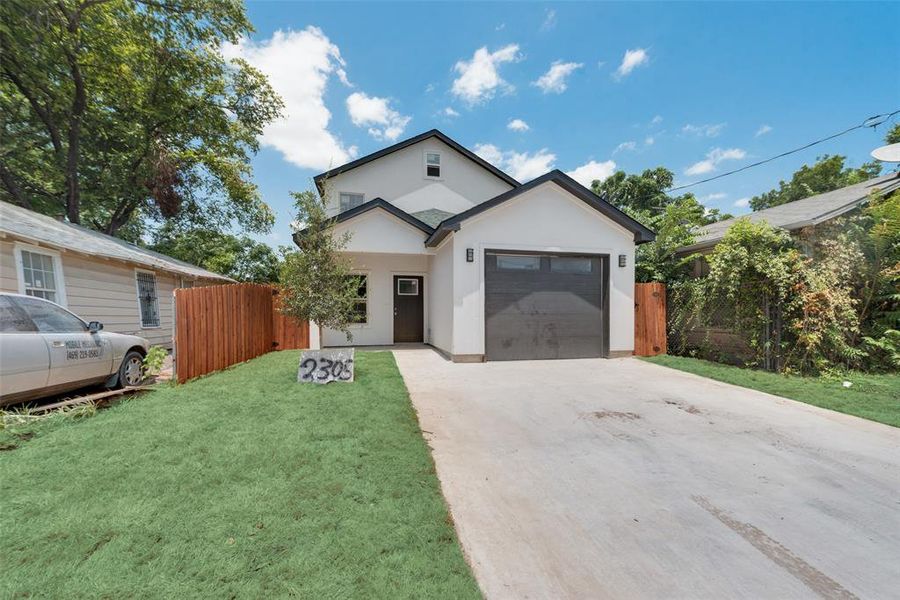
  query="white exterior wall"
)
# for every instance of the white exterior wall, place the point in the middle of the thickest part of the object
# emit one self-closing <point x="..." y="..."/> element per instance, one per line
<point x="381" y="232"/>
<point x="103" y="290"/>
<point x="380" y="269"/>
<point x="544" y="219"/>
<point x="440" y="299"/>
<point x="400" y="179"/>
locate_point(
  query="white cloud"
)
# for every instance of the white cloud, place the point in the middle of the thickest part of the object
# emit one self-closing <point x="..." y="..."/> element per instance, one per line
<point x="383" y="122"/>
<point x="554" y="80"/>
<point x="521" y="165"/>
<point x="449" y="112"/>
<point x="632" y="60"/>
<point x="630" y="146"/>
<point x="429" y="88"/>
<point x="500" y="27"/>
<point x="712" y="197"/>
<point x="763" y="130"/>
<point x="649" y="140"/>
<point x="517" y="125"/>
<point x="656" y="120"/>
<point x="299" y="65"/>
<point x="549" y="20"/>
<point x="479" y="78"/>
<point x="712" y="160"/>
<point x="742" y="202"/>
<point x="593" y="170"/>
<point x="709" y="131"/>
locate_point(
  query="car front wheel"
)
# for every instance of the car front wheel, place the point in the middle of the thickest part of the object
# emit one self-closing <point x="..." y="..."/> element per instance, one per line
<point x="130" y="371"/>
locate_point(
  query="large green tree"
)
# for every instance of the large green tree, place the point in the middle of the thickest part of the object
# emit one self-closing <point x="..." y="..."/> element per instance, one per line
<point x="115" y="111"/>
<point x="827" y="174"/>
<point x="893" y="135"/>
<point x="238" y="257"/>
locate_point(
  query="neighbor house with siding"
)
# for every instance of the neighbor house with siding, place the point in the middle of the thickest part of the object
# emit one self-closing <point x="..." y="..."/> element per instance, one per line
<point x="98" y="277"/>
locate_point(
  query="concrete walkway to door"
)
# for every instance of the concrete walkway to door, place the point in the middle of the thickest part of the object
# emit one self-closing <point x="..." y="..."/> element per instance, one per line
<point x="623" y="479"/>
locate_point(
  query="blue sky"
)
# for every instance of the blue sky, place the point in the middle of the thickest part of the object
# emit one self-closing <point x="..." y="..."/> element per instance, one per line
<point x="698" y="88"/>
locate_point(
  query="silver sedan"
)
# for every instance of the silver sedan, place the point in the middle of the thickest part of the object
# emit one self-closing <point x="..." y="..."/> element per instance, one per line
<point x="46" y="350"/>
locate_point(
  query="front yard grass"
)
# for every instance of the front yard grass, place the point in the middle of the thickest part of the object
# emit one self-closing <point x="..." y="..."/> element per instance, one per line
<point x="243" y="484"/>
<point x="873" y="397"/>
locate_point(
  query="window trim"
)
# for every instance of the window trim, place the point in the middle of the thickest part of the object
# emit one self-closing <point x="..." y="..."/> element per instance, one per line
<point x="440" y="165"/>
<point x="137" y="296"/>
<point x="360" y="194"/>
<point x="367" y="322"/>
<point x="57" y="269"/>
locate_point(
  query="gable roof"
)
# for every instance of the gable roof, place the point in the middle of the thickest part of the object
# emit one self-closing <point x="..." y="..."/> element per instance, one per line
<point x="45" y="230"/>
<point x="432" y="216"/>
<point x="372" y="205"/>
<point x="641" y="234"/>
<point x="321" y="177"/>
<point x="801" y="213"/>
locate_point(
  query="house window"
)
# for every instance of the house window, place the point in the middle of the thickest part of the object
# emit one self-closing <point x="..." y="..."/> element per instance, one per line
<point x="349" y="201"/>
<point x="509" y="262"/>
<point x="570" y="264"/>
<point x="148" y="302"/>
<point x="433" y="165"/>
<point x="407" y="287"/>
<point x="361" y="304"/>
<point x="40" y="274"/>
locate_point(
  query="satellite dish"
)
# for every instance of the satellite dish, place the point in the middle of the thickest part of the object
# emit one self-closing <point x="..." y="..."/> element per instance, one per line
<point x="887" y="153"/>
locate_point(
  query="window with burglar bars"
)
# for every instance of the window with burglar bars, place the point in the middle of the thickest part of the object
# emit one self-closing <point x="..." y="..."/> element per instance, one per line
<point x="147" y="299"/>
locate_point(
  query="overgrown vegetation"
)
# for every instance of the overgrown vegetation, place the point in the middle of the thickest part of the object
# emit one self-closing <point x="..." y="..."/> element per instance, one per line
<point x="834" y="308"/>
<point x="870" y="396"/>
<point x="317" y="284"/>
<point x="153" y="362"/>
<point x="827" y="174"/>
<point x="120" y="114"/>
<point x="243" y="484"/>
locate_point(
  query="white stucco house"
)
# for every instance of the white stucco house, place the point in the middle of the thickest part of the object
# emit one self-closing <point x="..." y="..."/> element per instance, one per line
<point x="455" y="253"/>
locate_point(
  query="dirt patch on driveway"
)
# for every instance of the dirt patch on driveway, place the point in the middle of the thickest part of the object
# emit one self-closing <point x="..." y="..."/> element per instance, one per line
<point x="612" y="414"/>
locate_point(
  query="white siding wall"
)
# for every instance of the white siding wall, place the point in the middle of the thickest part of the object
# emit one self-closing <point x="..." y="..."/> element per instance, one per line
<point x="400" y="179"/>
<point x="440" y="299"/>
<point x="382" y="232"/>
<point x="103" y="290"/>
<point x="380" y="269"/>
<point x="543" y="219"/>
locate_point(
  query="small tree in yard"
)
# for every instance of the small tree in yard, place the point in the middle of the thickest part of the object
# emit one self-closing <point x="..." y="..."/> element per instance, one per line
<point x="317" y="285"/>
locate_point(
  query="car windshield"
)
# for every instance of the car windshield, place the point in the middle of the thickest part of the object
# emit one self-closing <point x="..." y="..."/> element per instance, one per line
<point x="12" y="318"/>
<point x="50" y="318"/>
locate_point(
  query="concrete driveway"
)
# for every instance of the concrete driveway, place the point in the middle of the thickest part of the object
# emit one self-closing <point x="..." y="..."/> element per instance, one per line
<point x="623" y="479"/>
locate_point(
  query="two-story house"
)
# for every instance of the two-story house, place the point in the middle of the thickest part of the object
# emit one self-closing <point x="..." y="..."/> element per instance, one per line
<point x="453" y="252"/>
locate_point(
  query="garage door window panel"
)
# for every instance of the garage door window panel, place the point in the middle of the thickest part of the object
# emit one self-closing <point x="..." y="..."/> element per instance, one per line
<point x="507" y="262"/>
<point x="581" y="265"/>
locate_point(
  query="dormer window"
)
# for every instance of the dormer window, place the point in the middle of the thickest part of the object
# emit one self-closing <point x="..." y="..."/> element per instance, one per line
<point x="349" y="200"/>
<point x="433" y="165"/>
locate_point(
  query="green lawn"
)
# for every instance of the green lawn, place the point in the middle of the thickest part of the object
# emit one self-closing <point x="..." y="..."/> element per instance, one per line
<point x="243" y="484"/>
<point x="874" y="397"/>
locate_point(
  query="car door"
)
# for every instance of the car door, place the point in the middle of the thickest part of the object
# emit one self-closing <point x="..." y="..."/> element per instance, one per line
<point x="24" y="358"/>
<point x="76" y="354"/>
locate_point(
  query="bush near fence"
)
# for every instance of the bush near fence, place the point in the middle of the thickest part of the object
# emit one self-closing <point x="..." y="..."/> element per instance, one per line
<point x="221" y="325"/>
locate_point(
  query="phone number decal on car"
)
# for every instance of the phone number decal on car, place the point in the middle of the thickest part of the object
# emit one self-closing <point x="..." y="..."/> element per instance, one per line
<point x="83" y="349"/>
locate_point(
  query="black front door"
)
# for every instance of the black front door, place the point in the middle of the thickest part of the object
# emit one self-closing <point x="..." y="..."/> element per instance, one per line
<point x="409" y="309"/>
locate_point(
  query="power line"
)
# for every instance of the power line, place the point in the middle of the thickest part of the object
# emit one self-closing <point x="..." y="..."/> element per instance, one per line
<point x="874" y="121"/>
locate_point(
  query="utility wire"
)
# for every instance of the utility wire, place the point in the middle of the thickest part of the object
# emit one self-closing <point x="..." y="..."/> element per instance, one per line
<point x="870" y="122"/>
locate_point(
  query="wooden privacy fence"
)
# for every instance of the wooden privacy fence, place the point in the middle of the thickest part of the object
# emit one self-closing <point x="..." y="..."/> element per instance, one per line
<point x="221" y="325"/>
<point x="649" y="319"/>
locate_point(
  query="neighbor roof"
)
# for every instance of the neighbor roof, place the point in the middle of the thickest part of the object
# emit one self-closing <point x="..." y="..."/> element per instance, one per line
<point x="641" y="233"/>
<point x="432" y="216"/>
<point x="801" y="213"/>
<point x="319" y="179"/>
<point x="45" y="230"/>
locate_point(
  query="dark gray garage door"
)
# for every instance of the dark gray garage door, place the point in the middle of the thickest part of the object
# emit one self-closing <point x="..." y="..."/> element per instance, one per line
<point x="544" y="306"/>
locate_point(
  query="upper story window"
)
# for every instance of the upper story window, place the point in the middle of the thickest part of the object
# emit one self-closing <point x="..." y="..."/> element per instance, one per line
<point x="349" y="200"/>
<point x="433" y="165"/>
<point x="40" y="273"/>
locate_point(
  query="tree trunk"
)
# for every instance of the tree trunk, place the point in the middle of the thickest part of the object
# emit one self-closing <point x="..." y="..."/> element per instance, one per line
<point x="79" y="105"/>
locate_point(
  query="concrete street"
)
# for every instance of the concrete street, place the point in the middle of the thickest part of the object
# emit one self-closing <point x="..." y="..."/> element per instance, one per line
<point x="623" y="479"/>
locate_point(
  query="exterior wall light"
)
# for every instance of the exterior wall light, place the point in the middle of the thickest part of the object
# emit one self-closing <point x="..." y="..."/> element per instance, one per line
<point x="470" y="255"/>
<point x="622" y="260"/>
